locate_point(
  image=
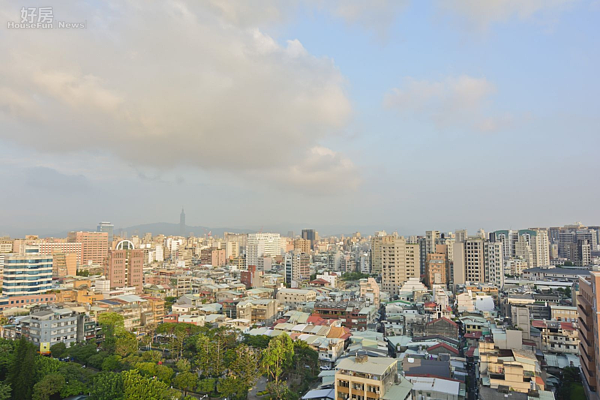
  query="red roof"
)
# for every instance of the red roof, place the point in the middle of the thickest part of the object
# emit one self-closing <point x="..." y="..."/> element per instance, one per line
<point x="536" y="323"/>
<point x="471" y="351"/>
<point x="567" y="326"/>
<point x="430" y="304"/>
<point x="473" y="335"/>
<point x="445" y="319"/>
<point x="319" y="281"/>
<point x="443" y="346"/>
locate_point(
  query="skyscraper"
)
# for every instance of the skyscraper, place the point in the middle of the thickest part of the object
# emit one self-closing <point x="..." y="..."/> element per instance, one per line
<point x="108" y="228"/>
<point x="182" y="223"/>
<point x="309" y="234"/>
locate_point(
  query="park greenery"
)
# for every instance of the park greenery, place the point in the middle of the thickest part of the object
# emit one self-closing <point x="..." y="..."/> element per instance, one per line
<point x="183" y="359"/>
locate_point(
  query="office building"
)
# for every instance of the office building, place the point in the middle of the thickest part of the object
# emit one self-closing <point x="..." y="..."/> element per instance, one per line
<point x="51" y="247"/>
<point x="310" y="235"/>
<point x="94" y="246"/>
<point x="125" y="268"/>
<point x="26" y="274"/>
<point x="262" y="244"/>
<point x="108" y="228"/>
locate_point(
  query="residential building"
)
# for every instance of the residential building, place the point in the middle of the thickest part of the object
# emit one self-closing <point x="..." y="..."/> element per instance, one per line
<point x="364" y="377"/>
<point x="399" y="262"/>
<point x="295" y="296"/>
<point x="588" y="302"/>
<point x="436" y="269"/>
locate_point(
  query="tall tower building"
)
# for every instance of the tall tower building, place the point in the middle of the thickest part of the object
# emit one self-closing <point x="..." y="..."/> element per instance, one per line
<point x="108" y="228"/>
<point x="182" y="223"/>
<point x="310" y="234"/>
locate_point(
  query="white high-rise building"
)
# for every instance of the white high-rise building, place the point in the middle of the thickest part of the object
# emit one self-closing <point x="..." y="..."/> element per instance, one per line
<point x="262" y="244"/>
<point x="494" y="264"/>
<point x="478" y="261"/>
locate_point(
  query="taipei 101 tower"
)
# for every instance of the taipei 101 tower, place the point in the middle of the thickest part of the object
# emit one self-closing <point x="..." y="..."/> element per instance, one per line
<point x="182" y="223"/>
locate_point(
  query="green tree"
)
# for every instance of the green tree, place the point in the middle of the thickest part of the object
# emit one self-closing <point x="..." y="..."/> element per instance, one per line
<point x="278" y="390"/>
<point x="83" y="351"/>
<point x="183" y="365"/>
<point x="48" y="386"/>
<point x="125" y="343"/>
<point x="112" y="325"/>
<point x="245" y="367"/>
<point x="107" y="386"/>
<point x="58" y="350"/>
<point x="112" y="363"/>
<point x="138" y="387"/>
<point x="277" y="357"/>
<point x="5" y="390"/>
<point x="23" y="370"/>
<point x="186" y="381"/>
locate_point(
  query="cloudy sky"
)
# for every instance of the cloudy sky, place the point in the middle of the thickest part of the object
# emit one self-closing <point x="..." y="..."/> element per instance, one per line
<point x="403" y="115"/>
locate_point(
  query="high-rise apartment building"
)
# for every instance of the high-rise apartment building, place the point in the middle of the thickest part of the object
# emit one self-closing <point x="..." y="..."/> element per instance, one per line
<point x="588" y="302"/>
<point x="436" y="269"/>
<point x="302" y="245"/>
<point x="478" y="261"/>
<point x="376" y="251"/>
<point x="94" y="246"/>
<point x="461" y="235"/>
<point x="26" y="274"/>
<point x="399" y="262"/>
<point x="540" y="246"/>
<point x="297" y="267"/>
<point x="125" y="268"/>
<point x="262" y="244"/>
<point x="108" y="228"/>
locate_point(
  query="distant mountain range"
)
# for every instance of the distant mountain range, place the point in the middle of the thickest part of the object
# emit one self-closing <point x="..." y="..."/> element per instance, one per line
<point x="169" y="229"/>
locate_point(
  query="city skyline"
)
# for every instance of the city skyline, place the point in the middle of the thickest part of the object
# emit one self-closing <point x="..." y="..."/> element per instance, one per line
<point x="406" y="115"/>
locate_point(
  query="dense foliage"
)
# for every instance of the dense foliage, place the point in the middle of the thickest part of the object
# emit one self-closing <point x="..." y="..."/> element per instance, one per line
<point x="183" y="359"/>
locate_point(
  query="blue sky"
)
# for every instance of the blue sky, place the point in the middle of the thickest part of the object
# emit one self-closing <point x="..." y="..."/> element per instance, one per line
<point x="404" y="116"/>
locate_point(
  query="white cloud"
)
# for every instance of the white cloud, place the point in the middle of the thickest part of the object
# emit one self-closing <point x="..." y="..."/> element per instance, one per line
<point x="453" y="102"/>
<point x="483" y="13"/>
<point x="168" y="84"/>
<point x="323" y="171"/>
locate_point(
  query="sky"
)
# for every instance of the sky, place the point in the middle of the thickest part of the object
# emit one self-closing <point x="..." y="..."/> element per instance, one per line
<point x="342" y="115"/>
